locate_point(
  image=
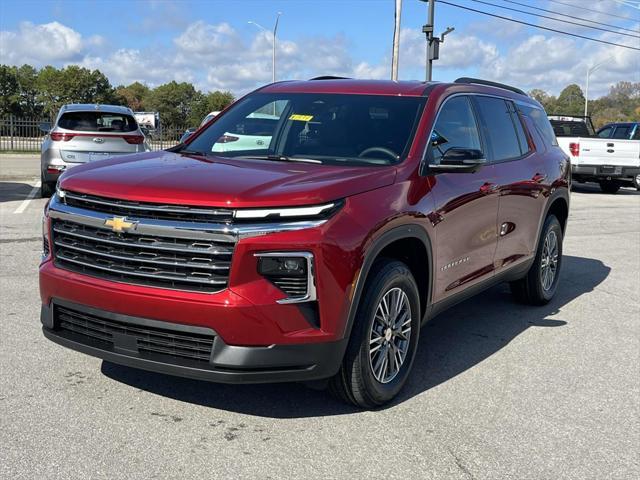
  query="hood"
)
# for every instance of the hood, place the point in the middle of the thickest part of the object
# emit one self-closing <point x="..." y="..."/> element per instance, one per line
<point x="166" y="177"/>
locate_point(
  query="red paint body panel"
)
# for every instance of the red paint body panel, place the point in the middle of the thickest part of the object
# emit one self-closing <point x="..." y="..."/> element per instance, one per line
<point x="461" y="214"/>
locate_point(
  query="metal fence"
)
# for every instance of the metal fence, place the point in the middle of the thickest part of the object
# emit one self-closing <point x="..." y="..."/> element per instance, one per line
<point x="24" y="135"/>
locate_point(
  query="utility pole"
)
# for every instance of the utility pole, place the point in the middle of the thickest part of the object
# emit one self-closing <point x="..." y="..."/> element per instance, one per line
<point x="396" y="41"/>
<point x="428" y="31"/>
<point x="433" y="42"/>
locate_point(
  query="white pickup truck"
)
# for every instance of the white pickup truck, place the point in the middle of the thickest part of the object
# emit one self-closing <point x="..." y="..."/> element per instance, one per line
<point x="610" y="162"/>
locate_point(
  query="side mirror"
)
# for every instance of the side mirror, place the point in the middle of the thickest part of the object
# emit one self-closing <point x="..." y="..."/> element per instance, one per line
<point x="458" y="160"/>
<point x="45" y="127"/>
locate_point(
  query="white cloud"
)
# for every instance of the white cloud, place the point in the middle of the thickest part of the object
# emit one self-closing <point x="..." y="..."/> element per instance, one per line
<point x="219" y="56"/>
<point x="40" y="44"/>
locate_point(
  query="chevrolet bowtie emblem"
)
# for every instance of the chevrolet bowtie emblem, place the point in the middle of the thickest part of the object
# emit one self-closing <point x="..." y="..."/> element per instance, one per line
<point x="119" y="224"/>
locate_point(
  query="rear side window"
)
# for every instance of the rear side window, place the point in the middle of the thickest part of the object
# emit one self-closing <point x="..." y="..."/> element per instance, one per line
<point x="455" y="128"/>
<point x="540" y="120"/>
<point x="636" y="135"/>
<point x="500" y="128"/>
<point x="622" y="132"/>
<point x="97" y="122"/>
<point x="605" y="132"/>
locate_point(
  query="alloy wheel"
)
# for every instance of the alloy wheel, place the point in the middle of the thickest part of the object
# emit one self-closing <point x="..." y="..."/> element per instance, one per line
<point x="390" y="334"/>
<point x="549" y="261"/>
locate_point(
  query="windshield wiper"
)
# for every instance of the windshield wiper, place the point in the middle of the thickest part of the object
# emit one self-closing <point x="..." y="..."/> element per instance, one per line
<point x="283" y="158"/>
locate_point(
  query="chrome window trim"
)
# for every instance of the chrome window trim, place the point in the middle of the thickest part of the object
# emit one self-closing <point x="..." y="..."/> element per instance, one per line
<point x="423" y="157"/>
<point x="311" y="294"/>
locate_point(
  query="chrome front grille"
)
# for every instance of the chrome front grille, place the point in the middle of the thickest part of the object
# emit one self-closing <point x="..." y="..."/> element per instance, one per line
<point x="182" y="255"/>
<point x="131" y="209"/>
<point x="149" y="260"/>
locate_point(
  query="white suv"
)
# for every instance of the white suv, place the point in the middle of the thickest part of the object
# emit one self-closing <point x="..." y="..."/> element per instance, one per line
<point x="84" y="133"/>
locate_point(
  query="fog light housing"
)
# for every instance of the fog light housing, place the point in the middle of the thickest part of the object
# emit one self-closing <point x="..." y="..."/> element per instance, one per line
<point x="291" y="272"/>
<point x="282" y="266"/>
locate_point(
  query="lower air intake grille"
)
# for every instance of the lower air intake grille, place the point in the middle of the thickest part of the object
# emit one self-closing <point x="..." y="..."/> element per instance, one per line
<point x="92" y="329"/>
<point x="292" y="286"/>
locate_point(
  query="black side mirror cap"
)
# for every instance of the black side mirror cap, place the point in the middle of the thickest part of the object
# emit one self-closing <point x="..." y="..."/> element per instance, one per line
<point x="458" y="160"/>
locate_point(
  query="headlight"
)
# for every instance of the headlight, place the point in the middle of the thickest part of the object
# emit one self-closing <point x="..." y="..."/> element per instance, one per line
<point x="45" y="232"/>
<point x="290" y="213"/>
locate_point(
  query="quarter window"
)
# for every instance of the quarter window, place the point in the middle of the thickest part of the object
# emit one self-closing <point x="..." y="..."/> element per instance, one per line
<point x="500" y="128"/>
<point x="455" y="128"/>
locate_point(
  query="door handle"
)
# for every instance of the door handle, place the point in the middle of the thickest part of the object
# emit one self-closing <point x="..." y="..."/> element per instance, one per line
<point x="488" y="188"/>
<point x="539" y="178"/>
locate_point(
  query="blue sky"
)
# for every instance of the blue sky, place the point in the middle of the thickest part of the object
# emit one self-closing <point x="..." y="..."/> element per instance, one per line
<point x="212" y="45"/>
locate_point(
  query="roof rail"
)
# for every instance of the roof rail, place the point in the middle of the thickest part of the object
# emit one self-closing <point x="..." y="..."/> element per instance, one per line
<point x="490" y="84"/>
<point x="329" y="77"/>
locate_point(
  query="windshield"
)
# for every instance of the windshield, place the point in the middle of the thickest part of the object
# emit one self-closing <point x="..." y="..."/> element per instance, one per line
<point x="324" y="128"/>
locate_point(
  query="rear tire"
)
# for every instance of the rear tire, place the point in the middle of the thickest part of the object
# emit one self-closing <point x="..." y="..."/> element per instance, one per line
<point x="636" y="181"/>
<point x="380" y="336"/>
<point x="609" y="186"/>
<point x="46" y="188"/>
<point x="541" y="281"/>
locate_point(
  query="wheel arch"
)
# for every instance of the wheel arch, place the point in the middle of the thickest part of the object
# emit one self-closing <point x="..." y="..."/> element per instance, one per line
<point x="409" y="241"/>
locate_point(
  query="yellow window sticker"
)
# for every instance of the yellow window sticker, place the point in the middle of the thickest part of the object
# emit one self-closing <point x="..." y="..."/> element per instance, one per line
<point x="301" y="118"/>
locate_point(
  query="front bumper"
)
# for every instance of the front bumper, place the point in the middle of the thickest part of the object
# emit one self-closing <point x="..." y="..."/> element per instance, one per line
<point x="226" y="363"/>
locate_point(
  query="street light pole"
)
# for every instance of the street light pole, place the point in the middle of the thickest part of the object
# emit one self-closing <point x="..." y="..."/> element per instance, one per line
<point x="273" y="52"/>
<point x="396" y="41"/>
<point x="586" y="90"/>
<point x="273" y="56"/>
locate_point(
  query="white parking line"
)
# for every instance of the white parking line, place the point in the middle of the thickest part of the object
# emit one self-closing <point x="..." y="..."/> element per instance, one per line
<point x="25" y="203"/>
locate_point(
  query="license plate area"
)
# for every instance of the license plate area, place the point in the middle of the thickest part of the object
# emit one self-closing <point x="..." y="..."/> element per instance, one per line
<point x="611" y="169"/>
<point x="93" y="156"/>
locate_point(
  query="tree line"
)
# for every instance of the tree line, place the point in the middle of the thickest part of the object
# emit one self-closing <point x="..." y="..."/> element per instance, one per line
<point x="28" y="92"/>
<point x="621" y="104"/>
<point x="31" y="93"/>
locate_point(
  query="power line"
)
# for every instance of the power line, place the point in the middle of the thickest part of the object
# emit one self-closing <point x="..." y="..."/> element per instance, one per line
<point x="539" y="26"/>
<point x="552" y="18"/>
<point x="570" y="16"/>
<point x="580" y="7"/>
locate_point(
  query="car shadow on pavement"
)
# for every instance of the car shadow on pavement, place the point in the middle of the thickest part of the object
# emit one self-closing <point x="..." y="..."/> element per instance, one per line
<point x="450" y="344"/>
<point x="13" y="191"/>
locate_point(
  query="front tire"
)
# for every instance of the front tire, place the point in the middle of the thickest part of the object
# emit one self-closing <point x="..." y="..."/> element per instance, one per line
<point x="46" y="188"/>
<point x="636" y="181"/>
<point x="541" y="281"/>
<point x="383" y="340"/>
<point x="609" y="186"/>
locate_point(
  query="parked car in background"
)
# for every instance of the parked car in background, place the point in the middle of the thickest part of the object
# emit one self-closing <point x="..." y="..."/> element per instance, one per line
<point x="209" y="116"/>
<point x="187" y="133"/>
<point x="318" y="254"/>
<point x="621" y="131"/>
<point x="83" y="133"/>
<point x="605" y="158"/>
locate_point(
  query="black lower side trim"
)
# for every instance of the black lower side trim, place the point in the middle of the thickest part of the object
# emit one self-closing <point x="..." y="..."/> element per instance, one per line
<point x="228" y="363"/>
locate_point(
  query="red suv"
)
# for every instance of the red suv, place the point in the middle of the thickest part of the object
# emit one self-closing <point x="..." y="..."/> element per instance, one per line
<point x="307" y="232"/>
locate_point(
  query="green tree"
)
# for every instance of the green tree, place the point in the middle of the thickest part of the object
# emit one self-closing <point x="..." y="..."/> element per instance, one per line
<point x="570" y="101"/>
<point x="134" y="96"/>
<point x="28" y="84"/>
<point x="9" y="91"/>
<point x="72" y="84"/>
<point x="174" y="101"/>
<point x="203" y="104"/>
<point x="546" y="100"/>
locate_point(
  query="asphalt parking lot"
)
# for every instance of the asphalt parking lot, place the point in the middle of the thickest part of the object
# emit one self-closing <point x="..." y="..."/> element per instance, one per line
<point x="498" y="390"/>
